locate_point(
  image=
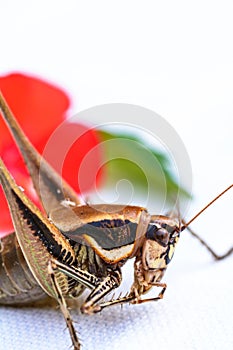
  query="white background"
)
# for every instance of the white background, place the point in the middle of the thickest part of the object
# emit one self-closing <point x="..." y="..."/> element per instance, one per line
<point x="176" y="58"/>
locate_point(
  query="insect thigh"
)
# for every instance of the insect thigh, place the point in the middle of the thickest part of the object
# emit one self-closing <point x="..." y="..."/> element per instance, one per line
<point x="17" y="284"/>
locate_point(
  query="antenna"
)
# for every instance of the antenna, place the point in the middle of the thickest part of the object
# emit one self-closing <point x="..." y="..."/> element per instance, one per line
<point x="207" y="206"/>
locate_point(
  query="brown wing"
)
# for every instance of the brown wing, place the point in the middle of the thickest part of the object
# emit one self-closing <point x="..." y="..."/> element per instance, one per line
<point x="111" y="230"/>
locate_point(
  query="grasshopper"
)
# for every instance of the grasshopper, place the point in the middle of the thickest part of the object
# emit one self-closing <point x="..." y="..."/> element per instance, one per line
<point x="77" y="246"/>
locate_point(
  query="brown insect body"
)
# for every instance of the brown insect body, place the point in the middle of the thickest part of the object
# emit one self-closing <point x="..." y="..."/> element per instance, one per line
<point x="17" y="284"/>
<point x="78" y="246"/>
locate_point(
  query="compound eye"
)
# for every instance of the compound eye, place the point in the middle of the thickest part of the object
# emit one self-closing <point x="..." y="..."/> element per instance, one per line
<point x="162" y="236"/>
<point x="158" y="234"/>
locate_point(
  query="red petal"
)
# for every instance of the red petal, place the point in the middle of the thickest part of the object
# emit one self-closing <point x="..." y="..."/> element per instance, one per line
<point x="6" y="222"/>
<point x="77" y="158"/>
<point x="32" y="100"/>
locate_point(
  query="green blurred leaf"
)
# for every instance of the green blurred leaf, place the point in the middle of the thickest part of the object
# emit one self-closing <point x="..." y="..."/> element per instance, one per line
<point x="144" y="167"/>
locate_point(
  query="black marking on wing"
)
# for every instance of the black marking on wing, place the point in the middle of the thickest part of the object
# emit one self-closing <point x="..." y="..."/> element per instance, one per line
<point x="40" y="230"/>
<point x="108" y="234"/>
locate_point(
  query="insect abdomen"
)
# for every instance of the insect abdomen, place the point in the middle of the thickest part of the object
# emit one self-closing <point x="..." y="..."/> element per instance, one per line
<point x="17" y="284"/>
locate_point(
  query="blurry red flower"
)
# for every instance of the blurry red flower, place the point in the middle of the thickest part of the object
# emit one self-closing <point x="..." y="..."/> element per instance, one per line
<point x="41" y="109"/>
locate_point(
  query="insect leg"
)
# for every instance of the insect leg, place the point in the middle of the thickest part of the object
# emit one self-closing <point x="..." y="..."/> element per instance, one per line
<point x="110" y="282"/>
<point x="63" y="307"/>
<point x="133" y="298"/>
<point x="215" y="255"/>
<point x="100" y="287"/>
<point x="137" y="300"/>
<point x="121" y="300"/>
<point x="84" y="277"/>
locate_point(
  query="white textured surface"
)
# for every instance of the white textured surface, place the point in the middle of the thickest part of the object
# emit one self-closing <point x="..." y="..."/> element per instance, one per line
<point x="175" y="58"/>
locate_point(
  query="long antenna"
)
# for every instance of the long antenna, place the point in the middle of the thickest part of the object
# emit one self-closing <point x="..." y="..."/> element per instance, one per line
<point x="207" y="206"/>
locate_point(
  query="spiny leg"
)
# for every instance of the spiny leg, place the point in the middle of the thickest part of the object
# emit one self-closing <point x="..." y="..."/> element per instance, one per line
<point x="104" y="287"/>
<point x="215" y="255"/>
<point x="92" y="282"/>
<point x="109" y="283"/>
<point x="132" y="298"/>
<point x="64" y="308"/>
<point x="100" y="287"/>
<point x="82" y="276"/>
